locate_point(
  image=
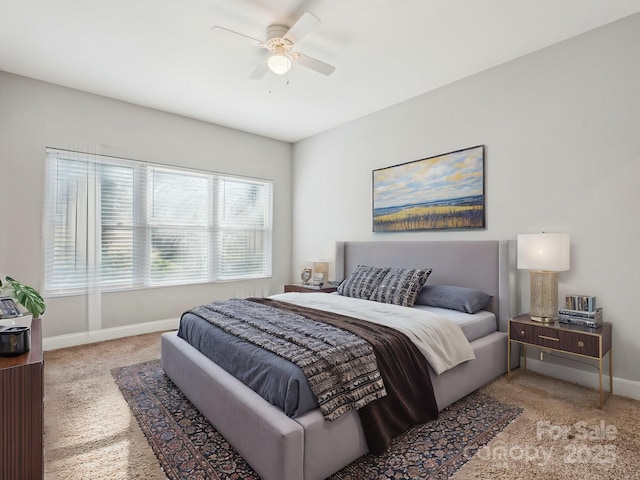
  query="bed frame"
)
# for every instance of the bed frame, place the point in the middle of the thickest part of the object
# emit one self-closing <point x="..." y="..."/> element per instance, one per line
<point x="308" y="448"/>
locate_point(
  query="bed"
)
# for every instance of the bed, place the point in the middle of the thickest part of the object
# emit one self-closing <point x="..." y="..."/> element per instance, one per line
<point x="282" y="448"/>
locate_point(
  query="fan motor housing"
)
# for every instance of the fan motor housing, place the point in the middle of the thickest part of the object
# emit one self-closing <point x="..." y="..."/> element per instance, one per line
<point x="276" y="31"/>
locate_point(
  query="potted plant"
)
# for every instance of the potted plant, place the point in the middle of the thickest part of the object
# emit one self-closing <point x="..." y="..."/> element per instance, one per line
<point x="27" y="296"/>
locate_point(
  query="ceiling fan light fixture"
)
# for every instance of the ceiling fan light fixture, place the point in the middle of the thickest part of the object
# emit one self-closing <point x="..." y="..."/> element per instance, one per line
<point x="279" y="63"/>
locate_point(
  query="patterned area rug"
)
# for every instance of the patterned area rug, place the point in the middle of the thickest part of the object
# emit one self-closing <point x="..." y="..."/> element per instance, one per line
<point x="187" y="446"/>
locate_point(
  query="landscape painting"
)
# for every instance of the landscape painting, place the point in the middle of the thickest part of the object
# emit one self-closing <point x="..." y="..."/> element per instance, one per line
<point x="442" y="192"/>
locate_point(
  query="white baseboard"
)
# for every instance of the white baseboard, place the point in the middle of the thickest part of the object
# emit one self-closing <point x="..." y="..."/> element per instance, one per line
<point x="81" y="338"/>
<point x="621" y="386"/>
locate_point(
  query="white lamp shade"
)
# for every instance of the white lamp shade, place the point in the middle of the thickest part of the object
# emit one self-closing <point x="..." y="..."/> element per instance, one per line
<point x="279" y="64"/>
<point x="543" y="251"/>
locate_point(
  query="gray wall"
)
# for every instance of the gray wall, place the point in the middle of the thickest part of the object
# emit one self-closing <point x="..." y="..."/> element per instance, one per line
<point x="35" y="115"/>
<point x="562" y="133"/>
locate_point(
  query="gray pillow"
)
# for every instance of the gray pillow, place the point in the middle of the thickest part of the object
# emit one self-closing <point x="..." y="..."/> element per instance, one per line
<point x="454" y="298"/>
<point x="362" y="281"/>
<point x="400" y="286"/>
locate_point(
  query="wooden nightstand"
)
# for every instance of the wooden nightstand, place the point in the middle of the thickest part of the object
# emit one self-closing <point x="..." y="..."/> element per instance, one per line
<point x="593" y="343"/>
<point x="299" y="287"/>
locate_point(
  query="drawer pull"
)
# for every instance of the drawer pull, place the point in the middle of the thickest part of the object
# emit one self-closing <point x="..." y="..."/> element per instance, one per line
<point x="581" y="344"/>
<point x="549" y="338"/>
<point x="522" y="333"/>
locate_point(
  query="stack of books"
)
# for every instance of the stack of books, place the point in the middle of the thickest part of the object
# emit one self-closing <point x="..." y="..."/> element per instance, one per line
<point x="581" y="310"/>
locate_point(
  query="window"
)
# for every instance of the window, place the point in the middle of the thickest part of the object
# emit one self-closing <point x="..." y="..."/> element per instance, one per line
<point x="117" y="224"/>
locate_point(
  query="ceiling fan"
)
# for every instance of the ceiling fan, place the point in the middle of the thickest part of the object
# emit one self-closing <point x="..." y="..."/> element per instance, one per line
<point x="280" y="42"/>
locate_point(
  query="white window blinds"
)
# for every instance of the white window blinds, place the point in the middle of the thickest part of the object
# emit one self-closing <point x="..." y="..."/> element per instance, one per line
<point x="245" y="243"/>
<point x="116" y="224"/>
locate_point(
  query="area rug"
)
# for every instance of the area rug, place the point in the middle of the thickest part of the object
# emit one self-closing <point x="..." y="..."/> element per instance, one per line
<point x="187" y="446"/>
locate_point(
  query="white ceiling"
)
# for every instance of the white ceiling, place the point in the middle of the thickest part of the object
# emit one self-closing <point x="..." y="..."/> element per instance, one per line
<point x="163" y="53"/>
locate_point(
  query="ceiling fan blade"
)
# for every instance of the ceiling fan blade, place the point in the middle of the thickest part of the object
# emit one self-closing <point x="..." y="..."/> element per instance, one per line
<point x="313" y="64"/>
<point x="237" y="34"/>
<point x="260" y="70"/>
<point x="300" y="29"/>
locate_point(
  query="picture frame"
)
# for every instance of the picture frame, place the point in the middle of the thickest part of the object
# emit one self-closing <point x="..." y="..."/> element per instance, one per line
<point x="444" y="192"/>
<point x="8" y="308"/>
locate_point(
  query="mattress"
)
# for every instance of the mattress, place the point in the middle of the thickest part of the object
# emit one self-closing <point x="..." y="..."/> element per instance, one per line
<point x="474" y="326"/>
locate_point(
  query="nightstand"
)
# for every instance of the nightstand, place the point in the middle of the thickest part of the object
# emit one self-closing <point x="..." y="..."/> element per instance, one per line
<point x="592" y="343"/>
<point x="299" y="287"/>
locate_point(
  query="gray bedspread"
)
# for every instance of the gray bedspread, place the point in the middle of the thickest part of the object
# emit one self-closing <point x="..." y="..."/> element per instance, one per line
<point x="277" y="380"/>
<point x="340" y="366"/>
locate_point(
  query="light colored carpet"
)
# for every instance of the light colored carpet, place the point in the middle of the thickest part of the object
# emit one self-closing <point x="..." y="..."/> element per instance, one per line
<point x="90" y="432"/>
<point x="560" y="434"/>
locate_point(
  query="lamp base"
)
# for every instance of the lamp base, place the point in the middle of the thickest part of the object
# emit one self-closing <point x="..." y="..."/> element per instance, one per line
<point x="544" y="296"/>
<point x="536" y="318"/>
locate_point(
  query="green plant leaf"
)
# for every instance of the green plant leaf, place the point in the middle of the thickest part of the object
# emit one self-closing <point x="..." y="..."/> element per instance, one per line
<point x="28" y="297"/>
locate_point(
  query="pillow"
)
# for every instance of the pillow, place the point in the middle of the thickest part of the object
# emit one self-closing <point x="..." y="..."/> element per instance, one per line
<point x="400" y="286"/>
<point x="362" y="281"/>
<point x="454" y="298"/>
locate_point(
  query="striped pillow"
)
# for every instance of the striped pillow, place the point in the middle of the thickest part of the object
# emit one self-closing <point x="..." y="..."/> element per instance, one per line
<point x="362" y="281"/>
<point x="401" y="286"/>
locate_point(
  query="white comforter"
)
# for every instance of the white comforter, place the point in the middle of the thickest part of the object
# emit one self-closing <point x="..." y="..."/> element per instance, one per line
<point x="440" y="340"/>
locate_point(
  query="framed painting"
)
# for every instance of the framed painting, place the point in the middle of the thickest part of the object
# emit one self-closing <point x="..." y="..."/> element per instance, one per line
<point x="435" y="193"/>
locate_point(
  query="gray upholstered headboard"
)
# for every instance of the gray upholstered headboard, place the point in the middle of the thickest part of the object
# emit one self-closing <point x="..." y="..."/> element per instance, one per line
<point x="483" y="265"/>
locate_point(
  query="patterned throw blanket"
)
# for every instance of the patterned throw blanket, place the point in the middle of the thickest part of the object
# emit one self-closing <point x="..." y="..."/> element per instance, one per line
<point x="340" y="366"/>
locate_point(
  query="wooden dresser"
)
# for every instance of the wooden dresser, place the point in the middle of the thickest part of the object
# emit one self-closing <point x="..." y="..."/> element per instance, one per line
<point x="22" y="411"/>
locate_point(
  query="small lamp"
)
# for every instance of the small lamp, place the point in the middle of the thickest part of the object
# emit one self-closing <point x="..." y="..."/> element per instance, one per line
<point x="321" y="269"/>
<point x="545" y="254"/>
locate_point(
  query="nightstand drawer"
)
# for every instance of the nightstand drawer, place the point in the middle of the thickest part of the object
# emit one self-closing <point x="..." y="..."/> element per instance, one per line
<point x="581" y="343"/>
<point x="535" y="335"/>
<point x="549" y="337"/>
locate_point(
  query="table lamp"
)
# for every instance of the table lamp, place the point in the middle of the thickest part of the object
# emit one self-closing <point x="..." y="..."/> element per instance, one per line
<point x="545" y="254"/>
<point x="321" y="272"/>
